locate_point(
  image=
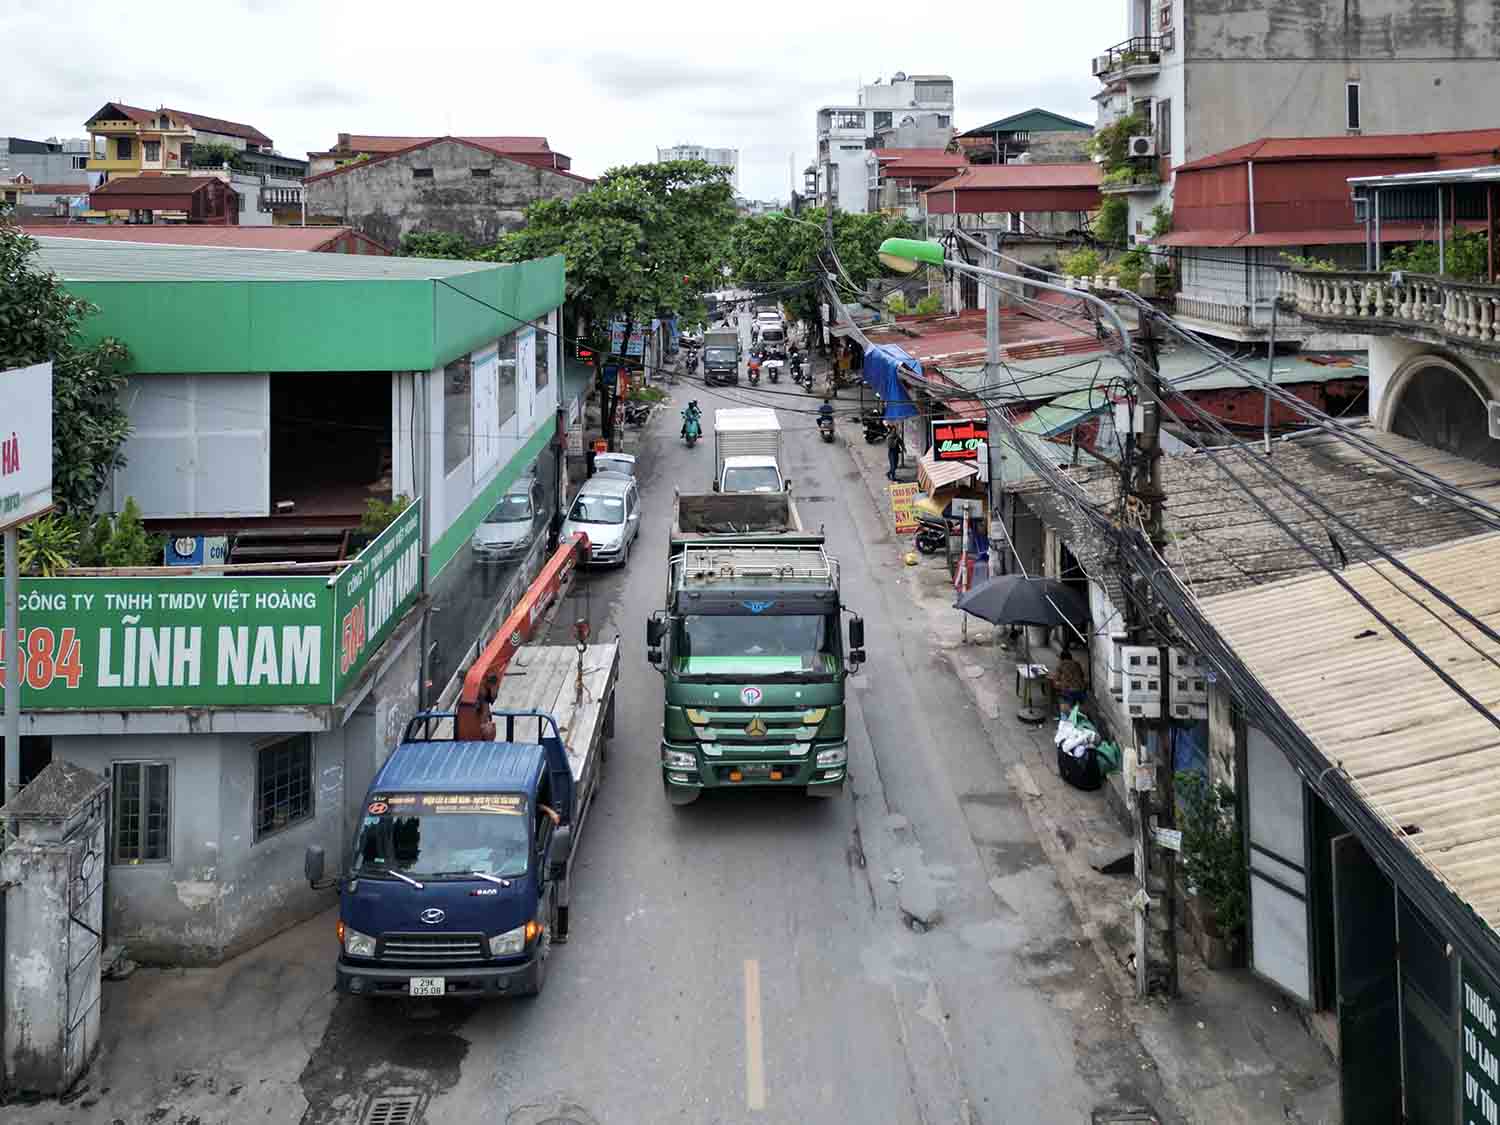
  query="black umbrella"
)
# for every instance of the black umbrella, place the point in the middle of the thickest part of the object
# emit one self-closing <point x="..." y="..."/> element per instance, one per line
<point x="1011" y="599"/>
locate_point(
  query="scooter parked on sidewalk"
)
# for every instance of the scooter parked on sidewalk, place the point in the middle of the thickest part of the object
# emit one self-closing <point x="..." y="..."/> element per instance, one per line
<point x="932" y="533"/>
<point x="874" y="421"/>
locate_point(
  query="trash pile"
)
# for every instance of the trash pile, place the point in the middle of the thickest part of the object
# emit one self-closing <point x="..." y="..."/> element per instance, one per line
<point x="1083" y="759"/>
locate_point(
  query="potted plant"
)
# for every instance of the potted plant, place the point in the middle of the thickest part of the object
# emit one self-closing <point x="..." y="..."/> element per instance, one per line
<point x="1213" y="862"/>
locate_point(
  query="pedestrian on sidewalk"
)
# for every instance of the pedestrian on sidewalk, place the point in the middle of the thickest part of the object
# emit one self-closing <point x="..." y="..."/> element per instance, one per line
<point x="1067" y="678"/>
<point x="895" y="446"/>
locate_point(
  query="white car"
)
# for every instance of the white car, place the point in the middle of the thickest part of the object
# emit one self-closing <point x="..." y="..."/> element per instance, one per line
<point x="511" y="525"/>
<point x="619" y="464"/>
<point x="608" y="510"/>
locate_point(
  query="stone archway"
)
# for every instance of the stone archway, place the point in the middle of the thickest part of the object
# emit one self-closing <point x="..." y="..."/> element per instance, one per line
<point x="1438" y="401"/>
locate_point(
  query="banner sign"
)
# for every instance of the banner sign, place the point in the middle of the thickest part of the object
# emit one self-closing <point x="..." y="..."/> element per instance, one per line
<point x="958" y="439"/>
<point x="111" y="644"/>
<point x="371" y="595"/>
<point x="1480" y="1057"/>
<point x="25" y="443"/>
<point x="903" y="497"/>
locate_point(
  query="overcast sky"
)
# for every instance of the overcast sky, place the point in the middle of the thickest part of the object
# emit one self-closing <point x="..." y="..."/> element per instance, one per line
<point x="604" y="82"/>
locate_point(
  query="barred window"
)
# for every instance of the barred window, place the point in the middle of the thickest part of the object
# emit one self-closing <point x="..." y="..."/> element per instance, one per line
<point x="142" y="812"/>
<point x="283" y="784"/>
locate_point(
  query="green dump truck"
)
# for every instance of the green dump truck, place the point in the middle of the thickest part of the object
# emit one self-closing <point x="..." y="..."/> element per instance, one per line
<point x="751" y="649"/>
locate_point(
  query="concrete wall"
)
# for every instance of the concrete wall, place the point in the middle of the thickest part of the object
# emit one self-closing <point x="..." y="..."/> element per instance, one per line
<point x="385" y="199"/>
<point x="1395" y="359"/>
<point x="1064" y="146"/>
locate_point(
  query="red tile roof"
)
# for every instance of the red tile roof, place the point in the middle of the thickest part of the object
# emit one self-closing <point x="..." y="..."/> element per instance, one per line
<point x="990" y="176"/>
<point x="49" y="189"/>
<point x="185" y="234"/>
<point x="219" y="125"/>
<point x="361" y="142"/>
<point x="927" y="157"/>
<point x="128" y="112"/>
<point x="533" y="157"/>
<point x="155" y="185"/>
<point x="1462" y="142"/>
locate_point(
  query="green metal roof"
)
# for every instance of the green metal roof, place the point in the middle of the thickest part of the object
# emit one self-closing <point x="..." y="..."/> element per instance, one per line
<point x="200" y="310"/>
<point x="1035" y="120"/>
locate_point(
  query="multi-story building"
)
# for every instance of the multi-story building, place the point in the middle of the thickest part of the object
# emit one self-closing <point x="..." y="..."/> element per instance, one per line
<point x="45" y="162"/>
<point x="1204" y="77"/>
<point x="718" y="157"/>
<point x="909" y="111"/>
<point x="447" y="185"/>
<point x="127" y="140"/>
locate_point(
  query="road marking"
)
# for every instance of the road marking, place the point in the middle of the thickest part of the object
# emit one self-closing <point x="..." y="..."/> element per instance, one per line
<point x="755" y="1058"/>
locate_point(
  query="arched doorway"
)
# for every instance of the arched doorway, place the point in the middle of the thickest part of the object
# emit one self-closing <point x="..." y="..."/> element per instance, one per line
<point x="1440" y="404"/>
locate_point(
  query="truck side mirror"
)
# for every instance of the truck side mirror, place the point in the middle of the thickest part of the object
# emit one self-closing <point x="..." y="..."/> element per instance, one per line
<point x="716" y="486"/>
<point x="856" y="632"/>
<point x="655" y="628"/>
<point x="558" y="852"/>
<point x="787" y="486"/>
<point x="312" y="865"/>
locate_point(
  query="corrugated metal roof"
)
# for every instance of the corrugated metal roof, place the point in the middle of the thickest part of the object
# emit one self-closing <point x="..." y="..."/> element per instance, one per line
<point x="1034" y="120"/>
<point x="991" y="176"/>
<point x="1421" y="758"/>
<point x="76" y="259"/>
<point x="366" y="142"/>
<point x="459" y="767"/>
<point x="220" y="125"/>
<point x="934" y="474"/>
<point x="1460" y="142"/>
<point x="155" y="185"/>
<point x="194" y="234"/>
<point x="1324" y="236"/>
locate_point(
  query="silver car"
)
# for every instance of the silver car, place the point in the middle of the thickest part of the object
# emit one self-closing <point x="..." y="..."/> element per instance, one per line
<point x="608" y="510"/>
<point x="511" y="525"/>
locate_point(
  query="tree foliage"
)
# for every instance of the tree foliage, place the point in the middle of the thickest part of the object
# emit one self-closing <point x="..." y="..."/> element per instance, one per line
<point x="1112" y="142"/>
<point x="646" y="240"/>
<point x="1112" y="227"/>
<point x="773" y="252"/>
<point x="40" y="320"/>
<point x="1465" y="257"/>
<point x="434" y="244"/>
<point x="215" y="154"/>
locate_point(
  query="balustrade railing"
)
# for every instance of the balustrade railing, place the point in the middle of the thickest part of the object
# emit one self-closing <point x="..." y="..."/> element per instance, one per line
<point x="1386" y="302"/>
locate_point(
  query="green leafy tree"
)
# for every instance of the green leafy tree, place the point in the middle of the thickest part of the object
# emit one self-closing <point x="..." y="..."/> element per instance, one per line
<point x="930" y="304"/>
<point x="40" y="320"/>
<point x="1081" y="263"/>
<point x="1112" y="142"/>
<point x="434" y="244"/>
<point x="127" y="542"/>
<point x="216" y="154"/>
<point x="1113" y="224"/>
<point x="1465" y="257"/>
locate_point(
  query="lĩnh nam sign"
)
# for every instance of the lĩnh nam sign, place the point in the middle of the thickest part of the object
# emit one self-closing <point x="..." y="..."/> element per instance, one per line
<point x="25" y="443"/>
<point x="212" y="640"/>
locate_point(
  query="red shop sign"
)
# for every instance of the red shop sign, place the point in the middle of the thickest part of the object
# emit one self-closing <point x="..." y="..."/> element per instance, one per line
<point x="958" y="439"/>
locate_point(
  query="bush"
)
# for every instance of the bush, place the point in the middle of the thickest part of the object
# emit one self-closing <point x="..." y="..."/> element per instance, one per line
<point x="1213" y="857"/>
<point x="932" y="303"/>
<point x="124" y="540"/>
<point x="380" y="514"/>
<point x="1112" y="228"/>
<point x="1081" y="263"/>
<point x="1112" y="143"/>
<point x="1466" y="257"/>
<point x="432" y="244"/>
<point x="1304" y="262"/>
<point x="1131" y="266"/>
<point x="895" y="303"/>
<point x="47" y="545"/>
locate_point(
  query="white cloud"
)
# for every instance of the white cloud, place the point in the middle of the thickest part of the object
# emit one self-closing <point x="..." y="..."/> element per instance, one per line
<point x="606" y="83"/>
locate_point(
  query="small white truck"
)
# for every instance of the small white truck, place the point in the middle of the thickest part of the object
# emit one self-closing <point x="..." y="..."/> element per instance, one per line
<point x="747" y="450"/>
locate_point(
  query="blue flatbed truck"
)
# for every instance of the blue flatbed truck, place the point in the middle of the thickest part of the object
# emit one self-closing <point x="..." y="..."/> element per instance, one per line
<point x="458" y="881"/>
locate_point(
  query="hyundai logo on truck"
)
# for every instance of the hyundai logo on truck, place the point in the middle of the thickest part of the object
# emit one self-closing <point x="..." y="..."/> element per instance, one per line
<point x="432" y="915"/>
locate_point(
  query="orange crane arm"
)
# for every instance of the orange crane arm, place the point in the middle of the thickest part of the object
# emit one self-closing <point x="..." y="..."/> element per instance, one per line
<point x="473" y="722"/>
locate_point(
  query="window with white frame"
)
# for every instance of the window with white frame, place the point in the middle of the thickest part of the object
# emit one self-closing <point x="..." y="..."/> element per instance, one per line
<point x="142" y="813"/>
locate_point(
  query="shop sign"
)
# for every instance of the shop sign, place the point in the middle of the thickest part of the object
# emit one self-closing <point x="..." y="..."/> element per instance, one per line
<point x="903" y="510"/>
<point x="373" y="593"/>
<point x="958" y="439"/>
<point x="131" y="643"/>
<point x="25" y="443"/>
<point x="1480" y="1014"/>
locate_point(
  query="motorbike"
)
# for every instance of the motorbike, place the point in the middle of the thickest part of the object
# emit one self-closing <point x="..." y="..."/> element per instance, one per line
<point x="825" y="426"/>
<point x="636" y="413"/>
<point x="691" y="429"/>
<point x="773" y="370"/>
<point x="932" y="534"/>
<point x="874" y="422"/>
<point x="692" y="362"/>
<point x="755" y="374"/>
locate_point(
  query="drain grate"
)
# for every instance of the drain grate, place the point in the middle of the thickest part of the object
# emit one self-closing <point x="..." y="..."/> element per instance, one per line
<point x="398" y="1110"/>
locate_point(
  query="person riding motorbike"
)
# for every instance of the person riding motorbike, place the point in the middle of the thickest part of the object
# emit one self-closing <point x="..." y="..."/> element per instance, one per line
<point x="691" y="415"/>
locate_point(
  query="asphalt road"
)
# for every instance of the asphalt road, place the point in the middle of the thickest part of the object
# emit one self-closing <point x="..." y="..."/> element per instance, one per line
<point x="752" y="957"/>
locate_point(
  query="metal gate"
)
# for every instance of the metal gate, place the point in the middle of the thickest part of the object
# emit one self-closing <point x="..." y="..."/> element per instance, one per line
<point x="85" y="940"/>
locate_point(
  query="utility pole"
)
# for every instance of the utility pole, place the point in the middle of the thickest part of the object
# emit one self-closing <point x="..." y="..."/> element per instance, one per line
<point x="991" y="377"/>
<point x="1155" y="733"/>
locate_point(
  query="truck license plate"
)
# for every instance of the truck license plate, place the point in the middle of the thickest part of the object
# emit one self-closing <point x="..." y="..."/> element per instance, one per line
<point x="428" y="986"/>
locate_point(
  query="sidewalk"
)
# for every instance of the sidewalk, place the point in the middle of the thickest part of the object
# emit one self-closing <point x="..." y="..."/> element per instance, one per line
<point x="1230" y="1049"/>
<point x="207" y="1046"/>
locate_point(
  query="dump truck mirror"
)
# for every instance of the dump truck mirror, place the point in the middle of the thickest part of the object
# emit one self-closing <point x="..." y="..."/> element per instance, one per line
<point x="655" y="628"/>
<point x="787" y="486"/>
<point x="558" y="852"/>
<point x="312" y="865"/>
<point x="716" y="486"/>
<point x="856" y="632"/>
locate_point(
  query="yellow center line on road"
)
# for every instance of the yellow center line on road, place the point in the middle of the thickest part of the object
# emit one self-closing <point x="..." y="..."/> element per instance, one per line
<point x="755" y="1058"/>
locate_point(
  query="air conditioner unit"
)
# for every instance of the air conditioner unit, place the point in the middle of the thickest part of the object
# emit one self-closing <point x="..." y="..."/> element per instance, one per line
<point x="1142" y="146"/>
<point x="1101" y="64"/>
<point x="1494" y="408"/>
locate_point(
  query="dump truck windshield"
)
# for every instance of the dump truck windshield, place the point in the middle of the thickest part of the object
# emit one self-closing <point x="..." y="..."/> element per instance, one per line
<point x="770" y="645"/>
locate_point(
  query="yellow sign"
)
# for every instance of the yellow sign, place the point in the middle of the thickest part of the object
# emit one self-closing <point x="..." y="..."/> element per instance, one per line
<point x="903" y="496"/>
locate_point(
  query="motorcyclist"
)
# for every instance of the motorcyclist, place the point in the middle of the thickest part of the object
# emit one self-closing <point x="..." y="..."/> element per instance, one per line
<point x="691" y="414"/>
<point x="825" y="412"/>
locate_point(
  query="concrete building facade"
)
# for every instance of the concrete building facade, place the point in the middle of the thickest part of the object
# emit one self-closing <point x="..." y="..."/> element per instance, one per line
<point x="719" y="157"/>
<point x="909" y="111"/>
<point x="51" y="161"/>
<point x="251" y="728"/>
<point x="447" y="185"/>
<point x="1208" y="75"/>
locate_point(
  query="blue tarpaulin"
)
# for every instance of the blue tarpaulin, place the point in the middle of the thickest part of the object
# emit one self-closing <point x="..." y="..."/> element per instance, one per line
<point x="880" y="371"/>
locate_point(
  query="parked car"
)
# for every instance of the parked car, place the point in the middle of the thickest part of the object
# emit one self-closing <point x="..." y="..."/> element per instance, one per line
<point x="619" y="464"/>
<point x="511" y="525"/>
<point x="608" y="510"/>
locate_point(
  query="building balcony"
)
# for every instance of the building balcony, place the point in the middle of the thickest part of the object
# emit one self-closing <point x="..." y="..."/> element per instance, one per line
<point x="103" y="164"/>
<point x="1235" y="320"/>
<point x="1144" y="183"/>
<point x="1137" y="57"/>
<point x="1458" y="314"/>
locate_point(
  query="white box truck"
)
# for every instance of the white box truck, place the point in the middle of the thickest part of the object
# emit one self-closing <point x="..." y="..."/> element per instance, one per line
<point x="747" y="450"/>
